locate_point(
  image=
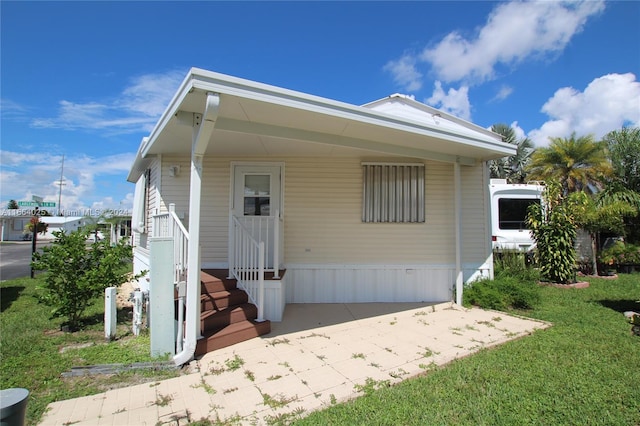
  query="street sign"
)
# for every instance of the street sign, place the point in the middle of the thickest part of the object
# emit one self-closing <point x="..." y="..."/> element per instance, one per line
<point x="36" y="204"/>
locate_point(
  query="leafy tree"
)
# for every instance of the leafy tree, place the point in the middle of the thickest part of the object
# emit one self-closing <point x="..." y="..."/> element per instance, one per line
<point x="624" y="151"/>
<point x="77" y="274"/>
<point x="41" y="227"/>
<point x="575" y="162"/>
<point x="553" y="227"/>
<point x="600" y="214"/>
<point x="624" y="183"/>
<point x="12" y="205"/>
<point x="511" y="168"/>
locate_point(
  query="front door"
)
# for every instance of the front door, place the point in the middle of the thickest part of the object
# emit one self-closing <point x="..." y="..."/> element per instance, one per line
<point x="256" y="203"/>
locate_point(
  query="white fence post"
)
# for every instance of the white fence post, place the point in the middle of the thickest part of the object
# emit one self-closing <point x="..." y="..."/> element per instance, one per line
<point x="110" y="314"/>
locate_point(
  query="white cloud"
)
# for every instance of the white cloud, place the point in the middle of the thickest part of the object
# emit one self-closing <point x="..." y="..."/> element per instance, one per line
<point x="135" y="110"/>
<point x="150" y="94"/>
<point x="455" y="102"/>
<point x="606" y="104"/>
<point x="24" y="175"/>
<point x="513" y="32"/>
<point x="519" y="131"/>
<point x="404" y="73"/>
<point x="504" y="92"/>
<point x="11" y="109"/>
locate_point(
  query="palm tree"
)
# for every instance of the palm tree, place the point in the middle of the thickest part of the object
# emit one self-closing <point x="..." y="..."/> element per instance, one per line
<point x="576" y="162"/>
<point x="624" y="184"/>
<point x="511" y="168"/>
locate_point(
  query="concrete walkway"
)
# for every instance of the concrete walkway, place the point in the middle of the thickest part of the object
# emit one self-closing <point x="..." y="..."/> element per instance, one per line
<point x="317" y="356"/>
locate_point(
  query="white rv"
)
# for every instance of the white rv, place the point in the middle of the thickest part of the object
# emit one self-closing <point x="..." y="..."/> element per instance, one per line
<point x="509" y="204"/>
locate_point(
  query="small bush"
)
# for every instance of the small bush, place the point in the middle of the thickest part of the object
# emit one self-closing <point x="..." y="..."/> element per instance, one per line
<point x="503" y="293"/>
<point x="77" y="273"/>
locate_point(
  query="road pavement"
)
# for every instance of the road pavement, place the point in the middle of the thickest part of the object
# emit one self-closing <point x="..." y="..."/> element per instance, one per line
<point x="15" y="259"/>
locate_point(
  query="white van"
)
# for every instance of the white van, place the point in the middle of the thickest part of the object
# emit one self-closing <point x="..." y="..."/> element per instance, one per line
<point x="509" y="204"/>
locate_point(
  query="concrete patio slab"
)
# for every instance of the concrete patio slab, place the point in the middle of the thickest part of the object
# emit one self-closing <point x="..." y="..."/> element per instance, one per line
<point x="319" y="355"/>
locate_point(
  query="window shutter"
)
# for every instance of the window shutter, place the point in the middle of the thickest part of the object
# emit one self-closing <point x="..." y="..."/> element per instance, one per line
<point x="393" y="193"/>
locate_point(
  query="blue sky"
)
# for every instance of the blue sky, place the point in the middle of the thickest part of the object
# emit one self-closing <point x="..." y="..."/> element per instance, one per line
<point x="88" y="80"/>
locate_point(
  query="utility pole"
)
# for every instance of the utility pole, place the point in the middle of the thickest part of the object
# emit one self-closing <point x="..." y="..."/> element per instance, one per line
<point x="61" y="183"/>
<point x="34" y="238"/>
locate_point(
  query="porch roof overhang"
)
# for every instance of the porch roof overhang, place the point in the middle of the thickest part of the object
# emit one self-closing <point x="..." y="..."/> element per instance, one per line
<point x="259" y="120"/>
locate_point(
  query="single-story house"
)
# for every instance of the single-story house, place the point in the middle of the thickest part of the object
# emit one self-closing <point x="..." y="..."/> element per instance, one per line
<point x="13" y="223"/>
<point x="295" y="198"/>
<point x="67" y="224"/>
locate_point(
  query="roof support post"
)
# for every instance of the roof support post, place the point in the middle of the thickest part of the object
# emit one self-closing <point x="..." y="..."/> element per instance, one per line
<point x="202" y="129"/>
<point x="458" y="230"/>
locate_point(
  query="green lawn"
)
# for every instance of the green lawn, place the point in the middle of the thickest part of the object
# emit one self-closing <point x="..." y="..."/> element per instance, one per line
<point x="34" y="352"/>
<point x="585" y="369"/>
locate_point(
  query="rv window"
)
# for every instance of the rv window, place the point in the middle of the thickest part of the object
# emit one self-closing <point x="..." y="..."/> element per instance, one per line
<point x="512" y="212"/>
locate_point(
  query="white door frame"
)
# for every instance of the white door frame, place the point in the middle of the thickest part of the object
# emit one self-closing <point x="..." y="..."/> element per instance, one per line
<point x="274" y="168"/>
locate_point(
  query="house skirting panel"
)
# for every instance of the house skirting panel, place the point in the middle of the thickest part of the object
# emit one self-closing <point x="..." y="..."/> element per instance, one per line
<point x="374" y="283"/>
<point x="368" y="283"/>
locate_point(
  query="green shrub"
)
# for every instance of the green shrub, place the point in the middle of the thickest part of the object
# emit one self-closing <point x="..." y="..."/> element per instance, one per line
<point x="620" y="254"/>
<point x="78" y="273"/>
<point x="513" y="263"/>
<point x="502" y="293"/>
<point x="553" y="228"/>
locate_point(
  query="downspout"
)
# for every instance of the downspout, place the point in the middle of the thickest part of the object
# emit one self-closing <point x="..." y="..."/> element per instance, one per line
<point x="458" y="230"/>
<point x="202" y="128"/>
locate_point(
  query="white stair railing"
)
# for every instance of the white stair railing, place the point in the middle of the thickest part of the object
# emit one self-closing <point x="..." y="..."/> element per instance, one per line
<point x="264" y="229"/>
<point x="248" y="264"/>
<point x="170" y="225"/>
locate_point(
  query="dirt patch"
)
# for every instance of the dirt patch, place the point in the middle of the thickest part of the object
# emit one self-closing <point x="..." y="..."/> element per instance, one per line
<point x="123" y="294"/>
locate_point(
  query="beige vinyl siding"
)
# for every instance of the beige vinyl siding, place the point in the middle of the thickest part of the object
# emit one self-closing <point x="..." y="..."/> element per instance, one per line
<point x="323" y="213"/>
<point x="215" y="201"/>
<point x="475" y="237"/>
<point x="215" y="210"/>
<point x="323" y="219"/>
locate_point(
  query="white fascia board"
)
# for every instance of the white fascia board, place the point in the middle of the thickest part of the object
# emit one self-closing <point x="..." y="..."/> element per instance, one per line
<point x="139" y="165"/>
<point x="220" y="83"/>
<point x="208" y="81"/>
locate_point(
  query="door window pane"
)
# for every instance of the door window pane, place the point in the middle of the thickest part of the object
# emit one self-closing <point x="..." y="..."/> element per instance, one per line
<point x="257" y="206"/>
<point x="257" y="191"/>
<point x="257" y="185"/>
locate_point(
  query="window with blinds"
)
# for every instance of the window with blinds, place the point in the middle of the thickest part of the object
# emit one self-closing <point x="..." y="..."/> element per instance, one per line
<point x="393" y="193"/>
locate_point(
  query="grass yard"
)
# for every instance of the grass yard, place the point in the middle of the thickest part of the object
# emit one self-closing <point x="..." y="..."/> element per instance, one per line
<point x="583" y="370"/>
<point x="34" y="352"/>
